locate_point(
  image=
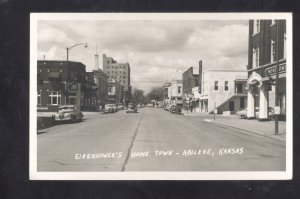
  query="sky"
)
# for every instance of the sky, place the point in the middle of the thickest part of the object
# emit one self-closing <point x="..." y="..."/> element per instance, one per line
<point x="157" y="51"/>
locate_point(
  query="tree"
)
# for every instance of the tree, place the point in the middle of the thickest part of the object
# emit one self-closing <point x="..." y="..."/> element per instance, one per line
<point x="156" y="94"/>
<point x="138" y="96"/>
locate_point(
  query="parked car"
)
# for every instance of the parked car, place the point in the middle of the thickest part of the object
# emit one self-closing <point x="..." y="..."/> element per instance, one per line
<point x="131" y="108"/>
<point x="109" y="108"/>
<point x="120" y="106"/>
<point x="68" y="113"/>
<point x="175" y="109"/>
<point x="243" y="113"/>
<point x="115" y="107"/>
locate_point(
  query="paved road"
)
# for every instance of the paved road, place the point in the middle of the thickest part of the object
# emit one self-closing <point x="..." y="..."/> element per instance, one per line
<point x="154" y="140"/>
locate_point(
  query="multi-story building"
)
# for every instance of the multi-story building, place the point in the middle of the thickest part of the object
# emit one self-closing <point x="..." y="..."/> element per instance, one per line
<point x="266" y="52"/>
<point x="115" y="91"/>
<point x="101" y="81"/>
<point x="189" y="81"/>
<point x="175" y="92"/>
<point x="223" y="90"/>
<point x="96" y="89"/>
<point x="116" y="70"/>
<point x="60" y="83"/>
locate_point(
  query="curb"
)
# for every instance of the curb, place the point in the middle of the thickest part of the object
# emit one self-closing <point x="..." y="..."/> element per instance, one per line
<point x="263" y="135"/>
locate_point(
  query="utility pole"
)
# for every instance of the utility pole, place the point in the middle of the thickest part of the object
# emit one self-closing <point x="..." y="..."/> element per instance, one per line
<point x="277" y="77"/>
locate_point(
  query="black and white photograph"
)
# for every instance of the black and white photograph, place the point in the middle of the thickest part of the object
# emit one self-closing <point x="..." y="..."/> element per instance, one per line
<point x="161" y="96"/>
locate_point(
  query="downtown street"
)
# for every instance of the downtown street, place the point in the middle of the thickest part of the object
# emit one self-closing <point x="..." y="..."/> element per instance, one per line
<point x="154" y="140"/>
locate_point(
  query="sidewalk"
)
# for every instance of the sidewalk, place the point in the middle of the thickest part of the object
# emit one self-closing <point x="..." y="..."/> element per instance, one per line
<point x="265" y="128"/>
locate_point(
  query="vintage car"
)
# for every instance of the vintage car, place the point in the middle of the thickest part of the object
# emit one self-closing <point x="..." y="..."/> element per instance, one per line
<point x="68" y="113"/>
<point x="175" y="109"/>
<point x="110" y="108"/>
<point x="131" y="108"/>
<point x="243" y="113"/>
<point x="120" y="106"/>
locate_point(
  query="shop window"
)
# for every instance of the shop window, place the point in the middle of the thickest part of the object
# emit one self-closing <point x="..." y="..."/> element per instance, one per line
<point x="226" y="86"/>
<point x="39" y="99"/>
<point x="216" y="86"/>
<point x="54" y="98"/>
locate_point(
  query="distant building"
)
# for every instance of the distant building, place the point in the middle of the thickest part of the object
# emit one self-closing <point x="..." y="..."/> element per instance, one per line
<point x="175" y="92"/>
<point x="189" y="81"/>
<point x="166" y="93"/>
<point x="262" y="61"/>
<point x="60" y="83"/>
<point x="96" y="90"/>
<point x="116" y="70"/>
<point x="115" y="91"/>
<point x="223" y="90"/>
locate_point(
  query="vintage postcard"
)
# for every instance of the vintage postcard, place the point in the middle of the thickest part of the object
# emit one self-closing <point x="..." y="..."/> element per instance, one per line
<point x="161" y="96"/>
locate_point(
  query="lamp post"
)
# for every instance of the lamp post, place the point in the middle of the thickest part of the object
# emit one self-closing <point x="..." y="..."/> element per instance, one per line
<point x="68" y="50"/>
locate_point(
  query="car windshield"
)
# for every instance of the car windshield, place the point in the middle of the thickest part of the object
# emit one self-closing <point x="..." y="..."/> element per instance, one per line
<point x="108" y="105"/>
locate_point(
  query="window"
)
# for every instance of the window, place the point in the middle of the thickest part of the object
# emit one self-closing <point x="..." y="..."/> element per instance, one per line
<point x="72" y="100"/>
<point x="273" y="22"/>
<point x="273" y="50"/>
<point x="216" y="85"/>
<point x="109" y="89"/>
<point x="39" y="100"/>
<point x="179" y="90"/>
<point x="54" y="98"/>
<point x="256" y="26"/>
<point x="226" y="86"/>
<point x="124" y="77"/>
<point x="255" y="57"/>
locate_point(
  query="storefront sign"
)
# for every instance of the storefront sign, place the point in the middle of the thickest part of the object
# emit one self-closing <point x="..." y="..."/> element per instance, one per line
<point x="272" y="70"/>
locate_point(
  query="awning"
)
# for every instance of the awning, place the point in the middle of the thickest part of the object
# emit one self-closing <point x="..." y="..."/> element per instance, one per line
<point x="54" y="75"/>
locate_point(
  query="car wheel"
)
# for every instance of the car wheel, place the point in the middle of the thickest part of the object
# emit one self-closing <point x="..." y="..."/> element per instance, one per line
<point x="74" y="119"/>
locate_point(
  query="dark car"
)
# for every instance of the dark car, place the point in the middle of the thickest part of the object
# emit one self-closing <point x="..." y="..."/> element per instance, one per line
<point x="175" y="109"/>
<point x="131" y="108"/>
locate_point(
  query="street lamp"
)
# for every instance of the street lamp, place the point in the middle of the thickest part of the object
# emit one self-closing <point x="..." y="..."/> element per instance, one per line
<point x="69" y="48"/>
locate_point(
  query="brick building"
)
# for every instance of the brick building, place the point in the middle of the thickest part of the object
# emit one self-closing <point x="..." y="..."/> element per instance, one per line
<point x="267" y="45"/>
<point x="121" y="71"/>
<point x="60" y="83"/>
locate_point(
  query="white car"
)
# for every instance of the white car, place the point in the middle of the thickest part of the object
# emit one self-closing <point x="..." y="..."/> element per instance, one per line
<point x="68" y="113"/>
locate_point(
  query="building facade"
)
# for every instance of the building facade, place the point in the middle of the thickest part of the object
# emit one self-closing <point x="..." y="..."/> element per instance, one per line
<point x="116" y="70"/>
<point x="60" y="83"/>
<point x="189" y="81"/>
<point x="224" y="90"/>
<point x="266" y="52"/>
<point x="175" y="92"/>
<point x="115" y="91"/>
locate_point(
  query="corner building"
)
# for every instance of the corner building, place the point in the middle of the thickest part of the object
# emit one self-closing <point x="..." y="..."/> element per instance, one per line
<point x="267" y="48"/>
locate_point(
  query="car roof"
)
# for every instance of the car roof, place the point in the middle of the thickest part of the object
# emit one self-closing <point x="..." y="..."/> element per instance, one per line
<point x="68" y="106"/>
